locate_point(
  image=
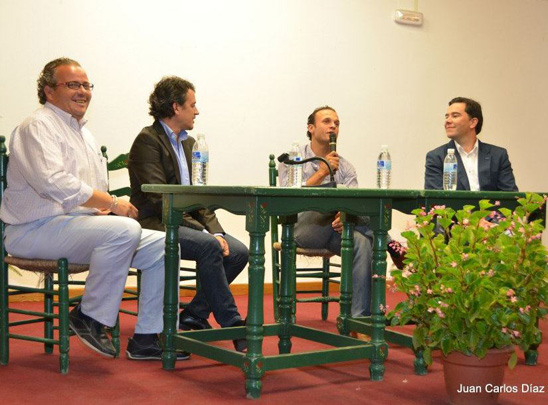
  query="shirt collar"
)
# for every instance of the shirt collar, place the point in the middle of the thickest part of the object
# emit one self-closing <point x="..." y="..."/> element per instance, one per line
<point x="183" y="135"/>
<point x="65" y="116"/>
<point x="474" y="150"/>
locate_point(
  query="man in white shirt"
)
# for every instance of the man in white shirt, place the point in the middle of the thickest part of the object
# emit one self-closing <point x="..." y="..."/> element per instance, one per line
<point x="481" y="166"/>
<point x="56" y="205"/>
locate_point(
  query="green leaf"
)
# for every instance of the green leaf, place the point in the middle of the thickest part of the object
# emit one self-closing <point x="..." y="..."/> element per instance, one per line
<point x="513" y="360"/>
<point x="427" y="355"/>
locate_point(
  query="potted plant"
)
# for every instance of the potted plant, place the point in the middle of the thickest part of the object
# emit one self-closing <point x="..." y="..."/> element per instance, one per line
<point x="476" y="282"/>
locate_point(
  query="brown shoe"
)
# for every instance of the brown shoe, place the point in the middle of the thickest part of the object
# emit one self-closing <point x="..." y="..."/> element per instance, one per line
<point x="360" y="336"/>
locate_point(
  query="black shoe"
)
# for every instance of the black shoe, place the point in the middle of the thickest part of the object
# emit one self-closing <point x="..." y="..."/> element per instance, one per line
<point x="91" y="332"/>
<point x="240" y="344"/>
<point x="151" y="351"/>
<point x="191" y="322"/>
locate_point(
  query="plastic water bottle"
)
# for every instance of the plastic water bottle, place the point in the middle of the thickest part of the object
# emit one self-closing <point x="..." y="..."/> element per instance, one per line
<point x="295" y="172"/>
<point x="384" y="165"/>
<point x="200" y="161"/>
<point x="450" y="170"/>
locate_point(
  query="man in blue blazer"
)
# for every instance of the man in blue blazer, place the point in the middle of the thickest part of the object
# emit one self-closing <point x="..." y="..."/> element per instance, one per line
<point x="481" y="166"/>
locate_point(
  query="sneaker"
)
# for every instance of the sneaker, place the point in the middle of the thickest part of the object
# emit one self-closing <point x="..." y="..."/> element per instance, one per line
<point x="151" y="351"/>
<point x="91" y="332"/>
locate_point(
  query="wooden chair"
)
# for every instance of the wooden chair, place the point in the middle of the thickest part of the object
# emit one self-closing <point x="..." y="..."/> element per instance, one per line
<point x="55" y="315"/>
<point x="323" y="273"/>
<point x="132" y="294"/>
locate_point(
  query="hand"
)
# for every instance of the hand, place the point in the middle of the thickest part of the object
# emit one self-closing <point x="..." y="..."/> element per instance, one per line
<point x="224" y="245"/>
<point x="333" y="159"/>
<point x="103" y="212"/>
<point x="125" y="209"/>
<point x="337" y="224"/>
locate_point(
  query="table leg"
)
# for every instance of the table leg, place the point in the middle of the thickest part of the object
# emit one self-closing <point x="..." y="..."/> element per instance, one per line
<point x="287" y="285"/>
<point x="171" y="291"/>
<point x="256" y="225"/>
<point x="378" y="300"/>
<point x="347" y="257"/>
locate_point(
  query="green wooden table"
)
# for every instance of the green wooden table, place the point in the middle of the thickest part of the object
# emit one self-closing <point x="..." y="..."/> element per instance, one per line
<point x="257" y="204"/>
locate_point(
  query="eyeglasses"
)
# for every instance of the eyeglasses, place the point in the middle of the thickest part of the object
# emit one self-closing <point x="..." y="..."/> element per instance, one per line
<point x="76" y="85"/>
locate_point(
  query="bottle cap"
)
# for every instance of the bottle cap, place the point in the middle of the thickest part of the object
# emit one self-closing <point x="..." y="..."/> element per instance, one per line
<point x="450" y="150"/>
<point x="384" y="147"/>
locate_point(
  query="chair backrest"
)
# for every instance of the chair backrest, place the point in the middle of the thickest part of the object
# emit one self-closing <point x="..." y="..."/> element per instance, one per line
<point x="272" y="172"/>
<point x="3" y="184"/>
<point x="118" y="163"/>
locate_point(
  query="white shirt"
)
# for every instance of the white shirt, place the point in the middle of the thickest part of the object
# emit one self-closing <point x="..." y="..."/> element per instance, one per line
<point x="54" y="166"/>
<point x="470" y="161"/>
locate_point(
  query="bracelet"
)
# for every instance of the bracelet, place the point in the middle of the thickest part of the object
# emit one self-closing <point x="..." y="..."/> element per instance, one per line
<point x="114" y="202"/>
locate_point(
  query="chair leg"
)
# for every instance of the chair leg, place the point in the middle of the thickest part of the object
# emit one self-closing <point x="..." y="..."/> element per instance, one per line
<point x="138" y="288"/>
<point x="63" y="316"/>
<point x="4" y="316"/>
<point x="48" y="310"/>
<point x="325" y="288"/>
<point x="115" y="335"/>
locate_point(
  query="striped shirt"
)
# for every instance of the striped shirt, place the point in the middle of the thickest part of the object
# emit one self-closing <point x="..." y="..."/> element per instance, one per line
<point x="54" y="167"/>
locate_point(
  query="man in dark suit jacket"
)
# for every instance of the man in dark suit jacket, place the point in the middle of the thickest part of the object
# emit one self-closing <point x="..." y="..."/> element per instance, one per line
<point x="162" y="154"/>
<point x="481" y="166"/>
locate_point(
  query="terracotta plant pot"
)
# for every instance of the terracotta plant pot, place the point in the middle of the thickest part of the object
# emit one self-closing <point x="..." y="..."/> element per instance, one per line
<point x="470" y="380"/>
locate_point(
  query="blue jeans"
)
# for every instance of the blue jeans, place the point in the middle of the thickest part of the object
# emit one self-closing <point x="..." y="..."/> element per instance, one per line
<point x="313" y="230"/>
<point x="215" y="272"/>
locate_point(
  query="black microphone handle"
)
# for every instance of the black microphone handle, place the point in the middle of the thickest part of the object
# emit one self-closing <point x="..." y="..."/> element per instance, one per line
<point x="332" y="142"/>
<point x="333" y="145"/>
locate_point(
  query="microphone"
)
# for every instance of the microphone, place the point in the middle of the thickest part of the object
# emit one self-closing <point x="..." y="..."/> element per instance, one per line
<point x="332" y="142"/>
<point x="284" y="158"/>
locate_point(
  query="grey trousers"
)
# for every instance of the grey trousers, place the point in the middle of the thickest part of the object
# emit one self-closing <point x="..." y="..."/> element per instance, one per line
<point x="313" y="230"/>
<point x="111" y="245"/>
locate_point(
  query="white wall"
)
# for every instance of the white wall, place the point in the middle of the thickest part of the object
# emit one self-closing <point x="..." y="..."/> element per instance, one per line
<point x="260" y="67"/>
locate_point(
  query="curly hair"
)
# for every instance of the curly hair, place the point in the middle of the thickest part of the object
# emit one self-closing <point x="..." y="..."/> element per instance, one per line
<point x="169" y="90"/>
<point x="47" y="76"/>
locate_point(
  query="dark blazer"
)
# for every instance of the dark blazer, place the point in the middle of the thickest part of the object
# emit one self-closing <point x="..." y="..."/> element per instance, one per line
<point x="152" y="160"/>
<point x="494" y="169"/>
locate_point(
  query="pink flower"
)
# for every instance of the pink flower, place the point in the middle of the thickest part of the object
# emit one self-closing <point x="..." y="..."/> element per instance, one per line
<point x="449" y="290"/>
<point x="440" y="313"/>
<point x="510" y="293"/>
<point x="430" y="309"/>
<point x="491" y="273"/>
<point x="497" y="203"/>
<point x="516" y="333"/>
<point x="513" y="299"/>
<point x="465" y="221"/>
<point x="453" y="264"/>
<point x="504" y="330"/>
<point x="429" y="291"/>
<point x="465" y="256"/>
